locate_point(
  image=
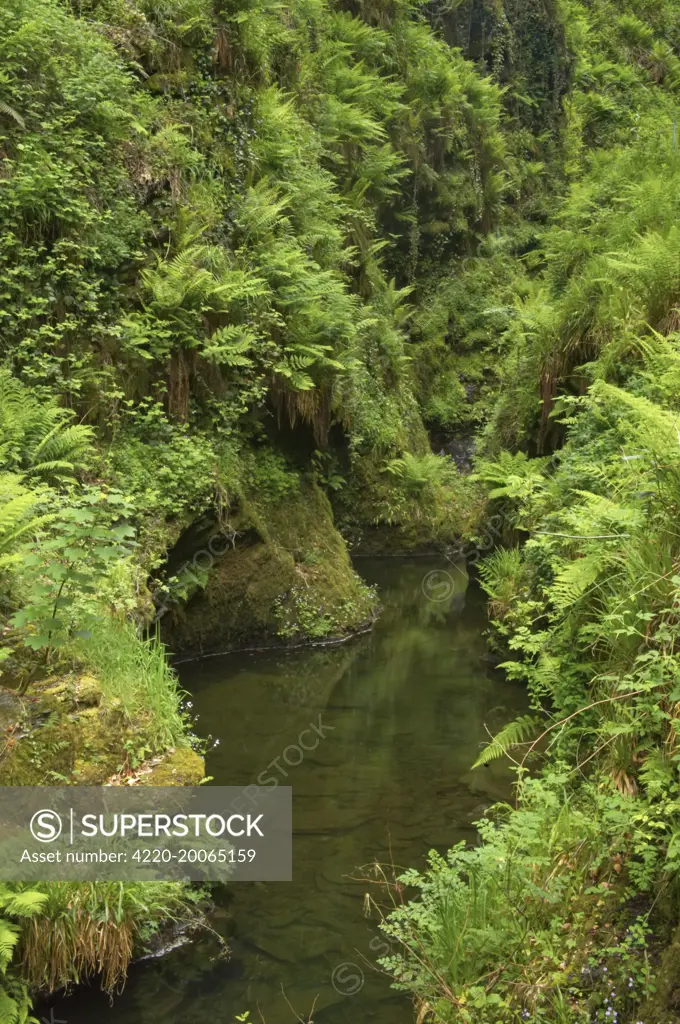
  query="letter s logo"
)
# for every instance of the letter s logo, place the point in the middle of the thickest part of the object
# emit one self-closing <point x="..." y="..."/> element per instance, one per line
<point x="45" y="826"/>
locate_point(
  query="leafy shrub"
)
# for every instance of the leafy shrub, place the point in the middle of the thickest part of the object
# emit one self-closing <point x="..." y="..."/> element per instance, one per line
<point x="500" y="931"/>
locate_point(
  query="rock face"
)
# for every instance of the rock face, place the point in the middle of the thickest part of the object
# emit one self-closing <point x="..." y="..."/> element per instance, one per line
<point x="284" y="577"/>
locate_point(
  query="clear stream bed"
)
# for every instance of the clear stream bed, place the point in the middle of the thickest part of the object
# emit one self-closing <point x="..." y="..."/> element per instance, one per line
<point x="404" y="710"/>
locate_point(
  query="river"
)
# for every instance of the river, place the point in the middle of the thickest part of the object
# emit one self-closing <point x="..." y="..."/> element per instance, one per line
<point x="400" y="714"/>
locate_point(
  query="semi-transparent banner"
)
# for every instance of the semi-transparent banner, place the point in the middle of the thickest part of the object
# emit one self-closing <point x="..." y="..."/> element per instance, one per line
<point x="118" y="833"/>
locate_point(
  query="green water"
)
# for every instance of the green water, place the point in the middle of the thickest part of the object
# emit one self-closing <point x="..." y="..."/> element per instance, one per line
<point x="403" y="711"/>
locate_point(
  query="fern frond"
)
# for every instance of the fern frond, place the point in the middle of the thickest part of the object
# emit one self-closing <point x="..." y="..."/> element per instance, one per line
<point x="37" y="437"/>
<point x="24" y="903"/>
<point x="10" y="1009"/>
<point x="11" y="112"/>
<point x="510" y="736"/>
<point x="572" y="582"/>
<point x="9" y="936"/>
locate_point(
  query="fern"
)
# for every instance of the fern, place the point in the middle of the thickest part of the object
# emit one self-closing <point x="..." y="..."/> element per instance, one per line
<point x="510" y="736"/>
<point x="22" y="902"/>
<point x="500" y="572"/>
<point x="16" y="521"/>
<point x="419" y="471"/>
<point x="38" y="437"/>
<point x="9" y="936"/>
<point x="572" y="582"/>
<point x="514" y="475"/>
<point x="11" y="112"/>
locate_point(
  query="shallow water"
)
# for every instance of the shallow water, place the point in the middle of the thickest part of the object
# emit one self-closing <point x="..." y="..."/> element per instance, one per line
<point x="403" y="712"/>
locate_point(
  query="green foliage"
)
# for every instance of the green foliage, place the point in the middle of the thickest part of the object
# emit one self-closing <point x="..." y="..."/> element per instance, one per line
<point x="251" y="209"/>
<point x="416" y="472"/>
<point x="510" y="736"/>
<point x="247" y="245"/>
<point x="77" y="931"/>
<point x="585" y="605"/>
<point x="500" y="931"/>
<point x="18" y="905"/>
<point x="61" y="573"/>
<point x="166" y="471"/>
<point x="134" y="674"/>
<point x="16" y="519"/>
<point x="37" y="438"/>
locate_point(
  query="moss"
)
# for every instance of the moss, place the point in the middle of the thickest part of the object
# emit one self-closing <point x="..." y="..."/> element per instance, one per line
<point x="87" y="691"/>
<point x="44" y="757"/>
<point x="102" y="733"/>
<point x="289" y="577"/>
<point x="378" y="513"/>
<point x="182" y="767"/>
<point x="67" y="731"/>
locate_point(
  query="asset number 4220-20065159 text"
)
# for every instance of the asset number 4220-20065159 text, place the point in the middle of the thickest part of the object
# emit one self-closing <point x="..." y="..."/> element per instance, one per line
<point x="194" y="855"/>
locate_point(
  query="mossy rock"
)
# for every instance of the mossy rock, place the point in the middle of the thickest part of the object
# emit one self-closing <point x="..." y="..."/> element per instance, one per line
<point x="289" y="579"/>
<point x="12" y="708"/>
<point x="64" y="730"/>
<point x="102" y="732"/>
<point x="87" y="691"/>
<point x="379" y="513"/>
<point x="46" y="756"/>
<point x="182" y="767"/>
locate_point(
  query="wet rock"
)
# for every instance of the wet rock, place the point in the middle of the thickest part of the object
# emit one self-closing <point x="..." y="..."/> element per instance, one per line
<point x="460" y="450"/>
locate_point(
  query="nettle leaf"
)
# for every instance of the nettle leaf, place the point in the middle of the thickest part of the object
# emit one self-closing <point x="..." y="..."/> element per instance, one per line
<point x="56" y="570"/>
<point x="54" y="544"/>
<point x="100" y="533"/>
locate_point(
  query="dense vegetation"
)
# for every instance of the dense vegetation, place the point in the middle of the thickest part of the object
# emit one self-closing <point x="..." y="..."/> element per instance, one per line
<point x="564" y="912"/>
<point x="258" y="264"/>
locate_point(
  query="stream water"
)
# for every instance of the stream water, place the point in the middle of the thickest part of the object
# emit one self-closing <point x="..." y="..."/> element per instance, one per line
<point x="403" y="712"/>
